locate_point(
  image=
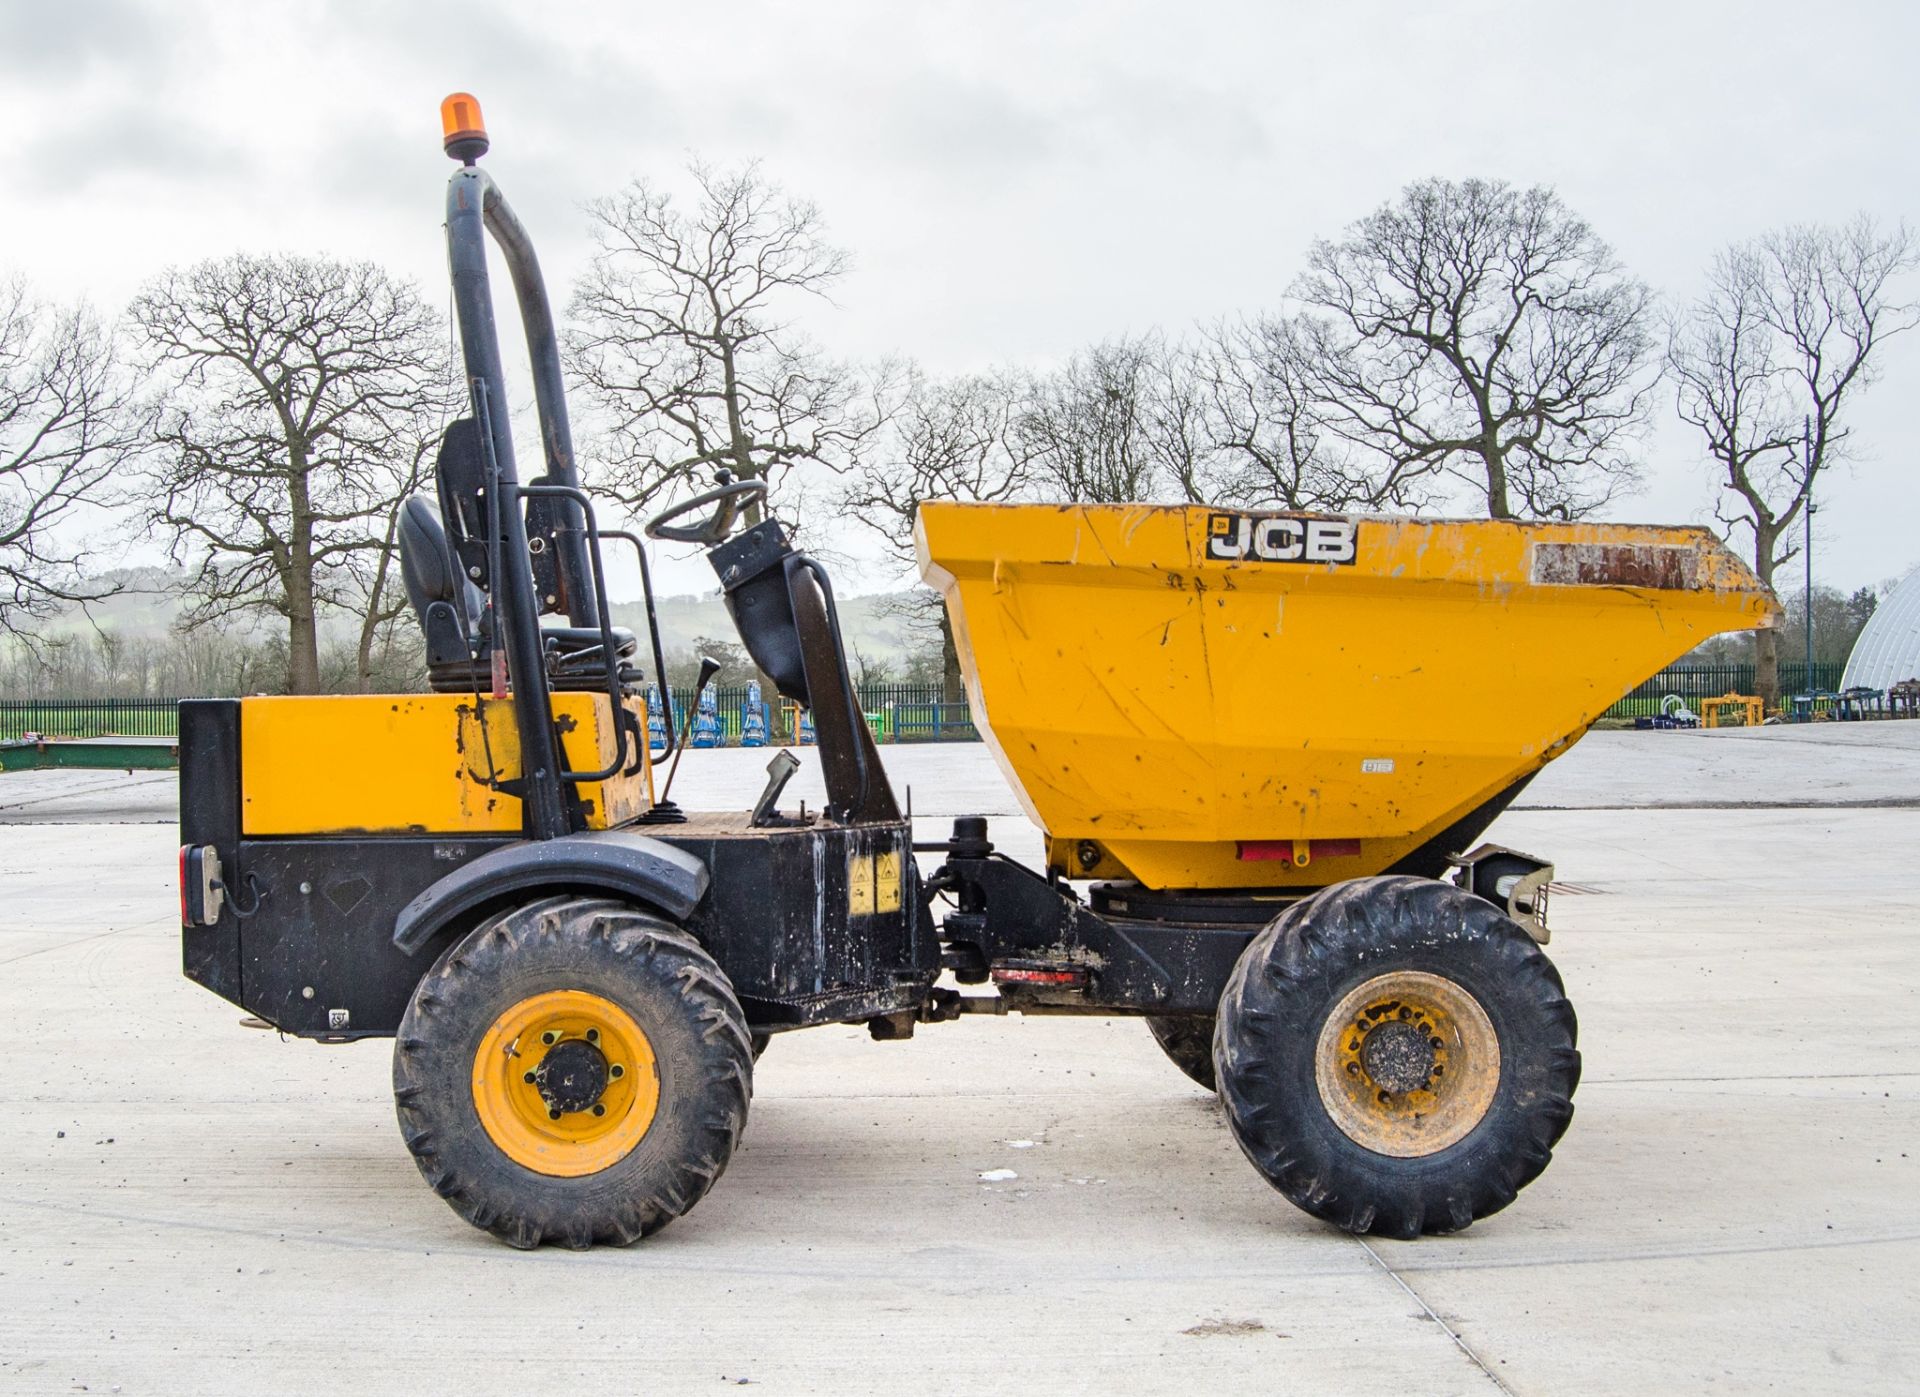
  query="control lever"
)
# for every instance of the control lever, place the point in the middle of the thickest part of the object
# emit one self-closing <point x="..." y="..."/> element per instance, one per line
<point x="779" y="771"/>
<point x="708" y="668"/>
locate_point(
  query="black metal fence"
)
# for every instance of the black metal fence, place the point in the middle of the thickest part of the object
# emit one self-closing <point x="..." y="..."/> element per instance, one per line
<point x="1695" y="682"/>
<point x="87" y="718"/>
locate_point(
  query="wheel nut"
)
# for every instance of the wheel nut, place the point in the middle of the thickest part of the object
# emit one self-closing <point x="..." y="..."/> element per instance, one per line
<point x="599" y="1110"/>
<point x="528" y="1078"/>
<point x="554" y="1114"/>
<point x="593" y="1035"/>
<point x="616" y="1071"/>
<point x="549" y="1037"/>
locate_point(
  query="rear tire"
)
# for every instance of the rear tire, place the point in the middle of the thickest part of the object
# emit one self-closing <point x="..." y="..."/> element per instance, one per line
<point x="1396" y="1056"/>
<point x="1187" y="1040"/>
<point x="573" y="1071"/>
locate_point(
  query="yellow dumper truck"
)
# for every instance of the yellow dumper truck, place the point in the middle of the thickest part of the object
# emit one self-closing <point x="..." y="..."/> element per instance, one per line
<point x="1263" y="747"/>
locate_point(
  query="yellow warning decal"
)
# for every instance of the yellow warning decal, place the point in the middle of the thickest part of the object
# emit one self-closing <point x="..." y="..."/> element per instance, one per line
<point x="874" y="882"/>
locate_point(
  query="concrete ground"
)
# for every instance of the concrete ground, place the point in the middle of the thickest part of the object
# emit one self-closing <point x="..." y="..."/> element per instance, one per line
<point x="189" y="1206"/>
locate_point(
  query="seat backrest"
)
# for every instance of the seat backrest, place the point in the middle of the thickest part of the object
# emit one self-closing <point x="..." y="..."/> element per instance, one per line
<point x="429" y="570"/>
<point x="425" y="564"/>
<point x="460" y="475"/>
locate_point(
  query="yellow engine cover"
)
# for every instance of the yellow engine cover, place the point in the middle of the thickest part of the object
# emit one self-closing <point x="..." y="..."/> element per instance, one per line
<point x="1205" y="698"/>
<point x="417" y="763"/>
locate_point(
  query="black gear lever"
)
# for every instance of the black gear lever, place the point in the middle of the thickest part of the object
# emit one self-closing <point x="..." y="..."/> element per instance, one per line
<point x="708" y="668"/>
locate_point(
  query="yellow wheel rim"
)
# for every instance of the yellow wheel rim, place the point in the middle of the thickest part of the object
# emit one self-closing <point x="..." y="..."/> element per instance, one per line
<point x="565" y="1083"/>
<point x="1407" y="1064"/>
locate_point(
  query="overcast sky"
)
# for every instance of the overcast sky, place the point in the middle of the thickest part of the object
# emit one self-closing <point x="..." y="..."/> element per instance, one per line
<point x="1014" y="180"/>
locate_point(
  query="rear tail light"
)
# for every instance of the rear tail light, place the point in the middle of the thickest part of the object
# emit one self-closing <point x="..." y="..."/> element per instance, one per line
<point x="202" y="895"/>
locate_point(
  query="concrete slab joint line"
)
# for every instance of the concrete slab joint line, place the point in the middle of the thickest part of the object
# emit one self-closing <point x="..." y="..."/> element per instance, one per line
<point x="1459" y="1341"/>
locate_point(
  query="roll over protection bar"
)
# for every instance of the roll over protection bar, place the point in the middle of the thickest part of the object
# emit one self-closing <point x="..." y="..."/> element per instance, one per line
<point x="475" y="208"/>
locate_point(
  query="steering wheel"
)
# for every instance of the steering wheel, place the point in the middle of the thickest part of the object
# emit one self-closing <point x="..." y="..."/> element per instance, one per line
<point x="726" y="499"/>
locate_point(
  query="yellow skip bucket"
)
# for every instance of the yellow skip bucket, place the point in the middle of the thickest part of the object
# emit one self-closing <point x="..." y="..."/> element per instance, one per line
<point x="1197" y="698"/>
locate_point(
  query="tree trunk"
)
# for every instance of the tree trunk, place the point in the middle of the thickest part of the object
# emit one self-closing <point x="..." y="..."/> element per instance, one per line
<point x="1766" y="666"/>
<point x="376" y="593"/>
<point x="1766" y="643"/>
<point x="363" y="669"/>
<point x="303" y="631"/>
<point x="952" y="688"/>
<point x="1498" y="506"/>
<point x="303" y="651"/>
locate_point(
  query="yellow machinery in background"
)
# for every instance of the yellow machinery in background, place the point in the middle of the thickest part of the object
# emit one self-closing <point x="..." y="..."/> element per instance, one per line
<point x="1732" y="710"/>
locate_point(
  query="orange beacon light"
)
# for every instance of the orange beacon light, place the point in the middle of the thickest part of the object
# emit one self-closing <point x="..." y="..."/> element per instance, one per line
<point x="462" y="128"/>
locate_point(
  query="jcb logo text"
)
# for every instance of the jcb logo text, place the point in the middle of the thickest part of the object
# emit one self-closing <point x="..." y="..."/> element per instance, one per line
<point x="1280" y="538"/>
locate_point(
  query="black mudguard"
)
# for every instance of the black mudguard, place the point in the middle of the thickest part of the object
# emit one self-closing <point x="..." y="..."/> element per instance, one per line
<point x="621" y="863"/>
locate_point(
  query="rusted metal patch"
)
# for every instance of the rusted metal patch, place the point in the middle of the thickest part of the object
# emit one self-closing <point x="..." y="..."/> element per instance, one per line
<point x="1658" y="566"/>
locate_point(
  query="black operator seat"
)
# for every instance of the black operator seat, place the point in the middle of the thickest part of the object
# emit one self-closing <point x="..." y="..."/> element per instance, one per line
<point x="451" y="610"/>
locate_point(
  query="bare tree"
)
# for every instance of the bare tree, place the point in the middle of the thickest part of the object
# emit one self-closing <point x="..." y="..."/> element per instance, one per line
<point x="1838" y="619"/>
<point x="1182" y="433"/>
<point x="67" y="428"/>
<point x="300" y="391"/>
<point x="1482" y="332"/>
<point x="1272" y="443"/>
<point x="1766" y="362"/>
<point x="1116" y="423"/>
<point x="683" y="345"/>
<point x="953" y="439"/>
<point x="383" y="606"/>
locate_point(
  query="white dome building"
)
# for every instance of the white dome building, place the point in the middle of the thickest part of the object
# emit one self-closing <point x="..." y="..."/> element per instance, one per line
<point x="1888" y="649"/>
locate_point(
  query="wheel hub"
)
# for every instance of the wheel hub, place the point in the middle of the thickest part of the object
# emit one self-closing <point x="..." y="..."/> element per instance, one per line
<point x="565" y="1083"/>
<point x="1399" y="1055"/>
<point x="1407" y="1063"/>
<point x="572" y="1076"/>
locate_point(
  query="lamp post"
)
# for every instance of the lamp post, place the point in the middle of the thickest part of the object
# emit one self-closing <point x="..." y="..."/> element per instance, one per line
<point x="1811" y="510"/>
<point x="1806" y="457"/>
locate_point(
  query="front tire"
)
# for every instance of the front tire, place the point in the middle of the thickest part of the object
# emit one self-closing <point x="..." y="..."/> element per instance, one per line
<point x="575" y="1071"/>
<point x="1396" y="1056"/>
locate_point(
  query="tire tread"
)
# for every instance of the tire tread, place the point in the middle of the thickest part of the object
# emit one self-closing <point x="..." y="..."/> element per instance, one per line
<point x="1270" y="1015"/>
<point x="519" y="1207"/>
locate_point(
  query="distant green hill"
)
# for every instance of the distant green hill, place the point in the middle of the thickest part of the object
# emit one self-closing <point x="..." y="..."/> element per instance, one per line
<point x="146" y="607"/>
<point x="875" y="626"/>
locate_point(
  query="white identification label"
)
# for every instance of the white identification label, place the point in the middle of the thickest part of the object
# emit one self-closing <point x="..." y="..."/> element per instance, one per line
<point x="1376" y="765"/>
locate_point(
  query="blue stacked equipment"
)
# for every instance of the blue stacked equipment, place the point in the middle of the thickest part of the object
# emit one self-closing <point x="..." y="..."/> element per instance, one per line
<point x="706" y="722"/>
<point x="805" y="736"/>
<point x="753" y="718"/>
<point x="656" y="721"/>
